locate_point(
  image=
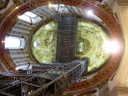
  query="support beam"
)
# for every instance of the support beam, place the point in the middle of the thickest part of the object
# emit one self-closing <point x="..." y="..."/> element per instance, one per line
<point x="6" y="94"/>
<point x="30" y="84"/>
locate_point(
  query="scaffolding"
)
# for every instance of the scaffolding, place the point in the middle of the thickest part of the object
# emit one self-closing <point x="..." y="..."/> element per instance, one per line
<point x="51" y="79"/>
<point x="47" y="79"/>
<point x="66" y="38"/>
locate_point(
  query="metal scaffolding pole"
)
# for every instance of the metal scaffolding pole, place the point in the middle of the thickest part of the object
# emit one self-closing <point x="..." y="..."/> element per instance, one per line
<point x="53" y="82"/>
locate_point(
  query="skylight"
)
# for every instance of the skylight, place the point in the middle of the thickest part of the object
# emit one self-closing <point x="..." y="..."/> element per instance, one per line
<point x="25" y="18"/>
<point x="30" y="14"/>
<point x="30" y="18"/>
<point x="12" y="42"/>
<point x="61" y="7"/>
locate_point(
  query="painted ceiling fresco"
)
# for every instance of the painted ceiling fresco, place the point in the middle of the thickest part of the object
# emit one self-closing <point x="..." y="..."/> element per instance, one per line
<point x="44" y="43"/>
<point x="89" y="43"/>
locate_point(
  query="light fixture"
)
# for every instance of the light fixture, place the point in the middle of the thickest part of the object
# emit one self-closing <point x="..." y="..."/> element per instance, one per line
<point x="17" y="68"/>
<point x="19" y="16"/>
<point x="89" y="12"/>
<point x="2" y="41"/>
<point x="17" y="7"/>
<point x="112" y="46"/>
<point x="50" y="5"/>
<point x="29" y="93"/>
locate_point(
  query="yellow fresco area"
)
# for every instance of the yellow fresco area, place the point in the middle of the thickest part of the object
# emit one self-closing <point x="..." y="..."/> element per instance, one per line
<point x="90" y="43"/>
<point x="45" y="47"/>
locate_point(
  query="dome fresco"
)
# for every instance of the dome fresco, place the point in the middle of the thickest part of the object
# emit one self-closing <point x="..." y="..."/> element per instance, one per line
<point x="98" y="33"/>
<point x="93" y="38"/>
<point x="89" y="43"/>
<point x="45" y="40"/>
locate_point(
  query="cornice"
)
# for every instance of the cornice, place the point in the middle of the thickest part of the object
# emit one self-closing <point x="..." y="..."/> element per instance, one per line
<point x="119" y="91"/>
<point x="122" y="2"/>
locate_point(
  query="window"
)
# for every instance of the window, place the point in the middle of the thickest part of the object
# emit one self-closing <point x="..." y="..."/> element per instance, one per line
<point x="62" y="8"/>
<point x="14" y="42"/>
<point x="30" y="14"/>
<point x="30" y="17"/>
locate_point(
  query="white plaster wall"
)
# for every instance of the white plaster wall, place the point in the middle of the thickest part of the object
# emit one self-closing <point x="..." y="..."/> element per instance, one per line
<point x="120" y="80"/>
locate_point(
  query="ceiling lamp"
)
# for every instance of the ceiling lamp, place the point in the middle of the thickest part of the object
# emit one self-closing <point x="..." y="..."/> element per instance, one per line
<point x="50" y="5"/>
<point x="17" y="68"/>
<point x="17" y="7"/>
<point x="89" y="12"/>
